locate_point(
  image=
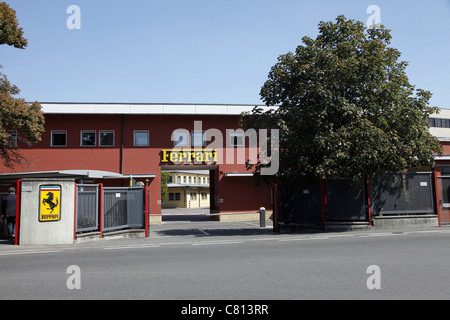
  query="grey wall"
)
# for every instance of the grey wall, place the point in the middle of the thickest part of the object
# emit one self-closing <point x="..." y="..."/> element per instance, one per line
<point x="34" y="232"/>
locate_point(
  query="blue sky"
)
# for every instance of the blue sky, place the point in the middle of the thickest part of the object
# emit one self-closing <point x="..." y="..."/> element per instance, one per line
<point x="200" y="51"/>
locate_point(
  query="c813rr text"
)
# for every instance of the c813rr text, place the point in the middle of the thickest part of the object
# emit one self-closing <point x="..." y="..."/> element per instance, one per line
<point x="230" y="309"/>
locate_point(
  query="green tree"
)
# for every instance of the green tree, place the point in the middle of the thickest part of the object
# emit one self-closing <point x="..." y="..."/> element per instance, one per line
<point x="346" y="107"/>
<point x="164" y="189"/>
<point x="15" y="113"/>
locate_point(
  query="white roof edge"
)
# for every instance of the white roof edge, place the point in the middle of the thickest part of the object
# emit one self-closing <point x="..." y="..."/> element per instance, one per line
<point x="442" y="158"/>
<point x="239" y="174"/>
<point x="137" y="108"/>
<point x="92" y="174"/>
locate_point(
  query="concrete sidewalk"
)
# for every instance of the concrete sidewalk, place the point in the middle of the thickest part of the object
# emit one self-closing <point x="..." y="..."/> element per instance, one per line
<point x="202" y="229"/>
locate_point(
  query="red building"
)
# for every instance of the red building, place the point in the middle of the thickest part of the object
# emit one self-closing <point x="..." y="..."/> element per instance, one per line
<point x="129" y="140"/>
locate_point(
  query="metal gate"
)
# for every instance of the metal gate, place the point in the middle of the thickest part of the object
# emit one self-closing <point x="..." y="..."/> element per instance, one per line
<point x="403" y="193"/>
<point x="123" y="208"/>
<point x="87" y="207"/>
<point x="300" y="204"/>
<point x="107" y="209"/>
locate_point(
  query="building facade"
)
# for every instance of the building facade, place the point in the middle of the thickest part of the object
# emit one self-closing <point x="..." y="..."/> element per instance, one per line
<point x="112" y="143"/>
<point x="136" y="141"/>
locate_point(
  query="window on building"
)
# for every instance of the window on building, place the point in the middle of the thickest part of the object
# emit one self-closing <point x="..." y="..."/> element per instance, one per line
<point x="194" y="180"/>
<point x="445" y="170"/>
<point x="180" y="138"/>
<point x="178" y="179"/>
<point x="237" y="139"/>
<point x="170" y="179"/>
<point x="177" y="196"/>
<point x="189" y="179"/>
<point x="184" y="179"/>
<point x="88" y="138"/>
<point x="106" y="138"/>
<point x="59" y="138"/>
<point x="193" y="196"/>
<point x="12" y="139"/>
<point x="141" y="138"/>
<point x="198" y="139"/>
<point x="439" y="123"/>
<point x="171" y="196"/>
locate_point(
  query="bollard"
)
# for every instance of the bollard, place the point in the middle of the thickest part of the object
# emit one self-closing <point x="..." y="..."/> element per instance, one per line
<point x="262" y="217"/>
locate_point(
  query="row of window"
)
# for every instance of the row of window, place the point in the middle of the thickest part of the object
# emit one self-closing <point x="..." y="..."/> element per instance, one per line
<point x="439" y="123"/>
<point x="193" y="196"/>
<point x="88" y="138"/>
<point x="188" y="179"/>
<point x="141" y="138"/>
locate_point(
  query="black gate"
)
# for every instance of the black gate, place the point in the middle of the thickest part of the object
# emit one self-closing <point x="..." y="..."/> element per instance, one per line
<point x="300" y="204"/>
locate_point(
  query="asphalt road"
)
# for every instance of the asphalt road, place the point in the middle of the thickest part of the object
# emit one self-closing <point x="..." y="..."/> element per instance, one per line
<point x="204" y="265"/>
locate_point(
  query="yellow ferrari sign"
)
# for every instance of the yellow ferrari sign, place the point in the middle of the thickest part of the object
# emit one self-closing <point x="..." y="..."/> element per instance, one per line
<point x="50" y="203"/>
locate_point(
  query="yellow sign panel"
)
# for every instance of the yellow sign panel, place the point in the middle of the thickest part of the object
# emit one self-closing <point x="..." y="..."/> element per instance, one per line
<point x="183" y="155"/>
<point x="50" y="203"/>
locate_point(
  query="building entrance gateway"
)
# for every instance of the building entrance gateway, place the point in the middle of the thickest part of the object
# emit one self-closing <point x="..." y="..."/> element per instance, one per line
<point x="191" y="193"/>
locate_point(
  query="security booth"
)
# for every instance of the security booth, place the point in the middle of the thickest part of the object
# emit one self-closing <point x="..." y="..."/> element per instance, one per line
<point x="47" y="211"/>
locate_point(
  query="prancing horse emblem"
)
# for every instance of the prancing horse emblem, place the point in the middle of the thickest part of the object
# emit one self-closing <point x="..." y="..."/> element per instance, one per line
<point x="50" y="201"/>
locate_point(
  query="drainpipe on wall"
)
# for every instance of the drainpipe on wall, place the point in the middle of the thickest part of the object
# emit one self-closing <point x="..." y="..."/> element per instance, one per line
<point x="122" y="120"/>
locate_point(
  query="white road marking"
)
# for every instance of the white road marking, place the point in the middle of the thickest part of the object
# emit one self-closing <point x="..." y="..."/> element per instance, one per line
<point x="23" y="252"/>
<point x="133" y="247"/>
<point x="204" y="232"/>
<point x="207" y="243"/>
<point x="304" y="239"/>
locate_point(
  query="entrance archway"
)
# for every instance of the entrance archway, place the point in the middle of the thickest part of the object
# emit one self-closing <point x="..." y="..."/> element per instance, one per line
<point x="192" y="193"/>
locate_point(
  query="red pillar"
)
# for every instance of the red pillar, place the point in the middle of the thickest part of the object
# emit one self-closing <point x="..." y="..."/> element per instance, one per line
<point x="369" y="203"/>
<point x="324" y="203"/>
<point x="100" y="209"/>
<point x="436" y="196"/>
<point x="276" y="225"/>
<point x="18" y="193"/>
<point x="75" y="215"/>
<point x="146" y="196"/>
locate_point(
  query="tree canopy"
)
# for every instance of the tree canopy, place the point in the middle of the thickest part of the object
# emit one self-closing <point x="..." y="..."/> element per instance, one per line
<point x="15" y="113"/>
<point x="346" y="108"/>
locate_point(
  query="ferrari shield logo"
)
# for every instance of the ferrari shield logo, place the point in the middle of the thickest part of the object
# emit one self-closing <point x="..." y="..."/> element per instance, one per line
<point x="50" y="203"/>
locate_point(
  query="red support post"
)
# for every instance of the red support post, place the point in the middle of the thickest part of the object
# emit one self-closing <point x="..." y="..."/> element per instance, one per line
<point x="276" y="224"/>
<point x="100" y="209"/>
<point x="324" y="203"/>
<point x="18" y="193"/>
<point x="369" y="203"/>
<point x="436" y="196"/>
<point x="75" y="215"/>
<point x="146" y="196"/>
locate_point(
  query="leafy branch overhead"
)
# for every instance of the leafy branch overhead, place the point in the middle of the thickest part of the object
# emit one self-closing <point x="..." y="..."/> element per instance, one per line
<point x="346" y="107"/>
<point x="15" y="113"/>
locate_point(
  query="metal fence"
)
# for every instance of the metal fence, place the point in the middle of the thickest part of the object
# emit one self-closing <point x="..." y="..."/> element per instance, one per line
<point x="300" y="204"/>
<point x="402" y="193"/>
<point x="87" y="207"/>
<point x="123" y="208"/>
<point x="390" y="194"/>
<point x="346" y="202"/>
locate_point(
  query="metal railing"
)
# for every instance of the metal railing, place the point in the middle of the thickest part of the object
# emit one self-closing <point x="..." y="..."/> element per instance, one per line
<point x="123" y="208"/>
<point x="107" y="209"/>
<point x="87" y="207"/>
